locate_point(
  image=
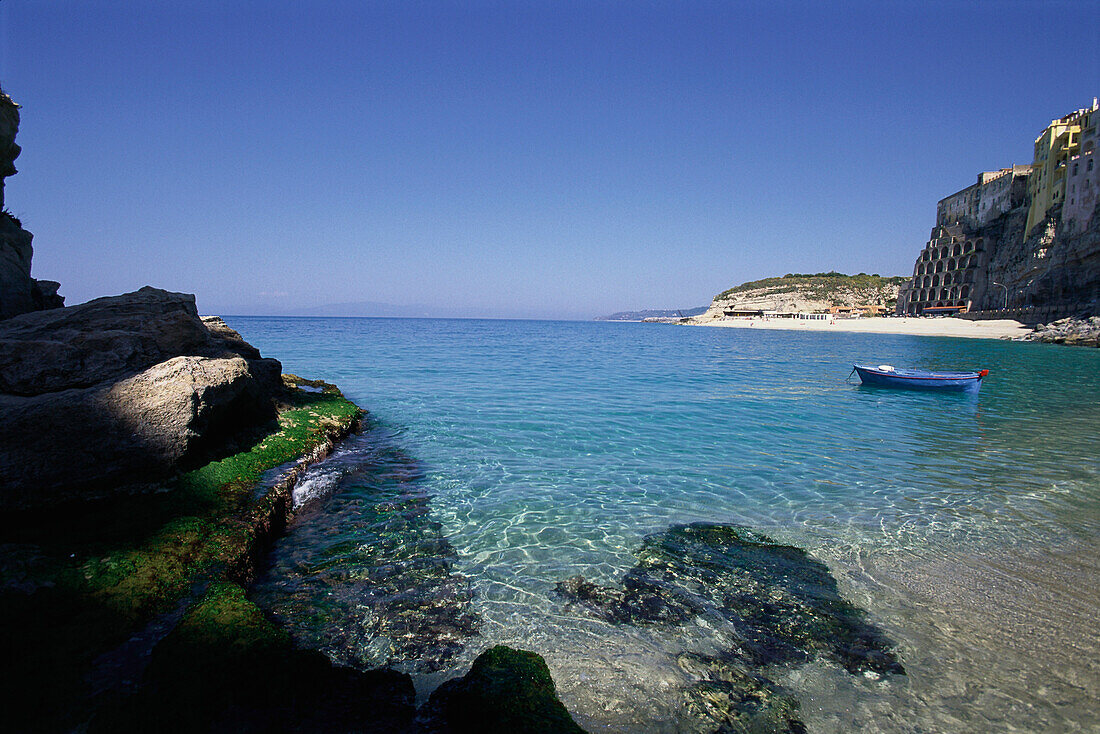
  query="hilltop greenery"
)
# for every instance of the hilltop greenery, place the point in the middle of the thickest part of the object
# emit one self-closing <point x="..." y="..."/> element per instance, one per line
<point x="821" y="286"/>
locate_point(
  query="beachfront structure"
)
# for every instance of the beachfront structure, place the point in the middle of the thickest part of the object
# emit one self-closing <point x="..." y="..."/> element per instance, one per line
<point x="994" y="193"/>
<point x="1056" y="145"/>
<point x="944" y="274"/>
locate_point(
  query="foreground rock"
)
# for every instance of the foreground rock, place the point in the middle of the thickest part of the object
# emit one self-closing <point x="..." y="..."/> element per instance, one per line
<point x="1080" y="332"/>
<point x="226" y="668"/>
<point x="506" y="690"/>
<point x="766" y="602"/>
<point x="19" y="292"/>
<point x="122" y="390"/>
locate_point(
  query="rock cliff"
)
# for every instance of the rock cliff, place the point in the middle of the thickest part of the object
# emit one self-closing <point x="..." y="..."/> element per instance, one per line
<point x="122" y="390"/>
<point x="1056" y="269"/>
<point x="19" y="292"/>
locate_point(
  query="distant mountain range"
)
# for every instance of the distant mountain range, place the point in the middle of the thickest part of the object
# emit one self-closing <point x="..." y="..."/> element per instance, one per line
<point x="652" y="313"/>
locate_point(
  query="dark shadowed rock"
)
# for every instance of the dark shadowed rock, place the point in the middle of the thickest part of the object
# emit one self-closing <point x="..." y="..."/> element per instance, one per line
<point x="506" y="690"/>
<point x="122" y="390"/>
<point x="225" y="668"/>
<point x="19" y="292"/>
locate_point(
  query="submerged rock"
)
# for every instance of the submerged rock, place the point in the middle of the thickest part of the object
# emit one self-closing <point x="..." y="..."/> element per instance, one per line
<point x="735" y="699"/>
<point x="367" y="575"/>
<point x="506" y="690"/>
<point x="766" y="602"/>
<point x="774" y="602"/>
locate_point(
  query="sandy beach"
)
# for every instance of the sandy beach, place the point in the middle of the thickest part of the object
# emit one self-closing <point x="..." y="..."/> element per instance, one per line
<point x="945" y="326"/>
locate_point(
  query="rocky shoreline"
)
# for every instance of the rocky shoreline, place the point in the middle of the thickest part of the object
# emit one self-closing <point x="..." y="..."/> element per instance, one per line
<point x="127" y="609"/>
<point x="1078" y="332"/>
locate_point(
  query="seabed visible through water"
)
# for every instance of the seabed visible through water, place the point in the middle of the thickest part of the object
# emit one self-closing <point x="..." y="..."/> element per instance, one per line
<point x="953" y="538"/>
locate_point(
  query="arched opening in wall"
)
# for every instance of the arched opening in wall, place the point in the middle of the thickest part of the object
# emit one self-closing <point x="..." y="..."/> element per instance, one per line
<point x="951" y="264"/>
<point x="943" y="251"/>
<point x="943" y="293"/>
<point x="964" y="292"/>
<point x="956" y="250"/>
<point x="979" y="244"/>
<point x="969" y="246"/>
<point x="939" y="266"/>
<point x="939" y="304"/>
<point x="927" y="281"/>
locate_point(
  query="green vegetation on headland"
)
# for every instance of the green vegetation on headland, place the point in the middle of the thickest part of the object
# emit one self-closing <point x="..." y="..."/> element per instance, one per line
<point x="79" y="582"/>
<point x="820" y="286"/>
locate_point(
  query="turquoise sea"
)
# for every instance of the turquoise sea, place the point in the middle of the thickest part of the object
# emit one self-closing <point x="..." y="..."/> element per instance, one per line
<point x="520" y="453"/>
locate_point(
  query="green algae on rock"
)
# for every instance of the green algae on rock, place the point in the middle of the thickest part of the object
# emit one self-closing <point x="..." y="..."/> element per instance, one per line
<point x="77" y="583"/>
<point x="506" y="690"/>
<point x="225" y="667"/>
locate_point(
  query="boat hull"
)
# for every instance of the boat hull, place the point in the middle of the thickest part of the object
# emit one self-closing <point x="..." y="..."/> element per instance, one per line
<point x="969" y="382"/>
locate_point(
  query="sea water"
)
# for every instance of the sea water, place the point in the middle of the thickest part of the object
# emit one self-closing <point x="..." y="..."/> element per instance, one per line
<point x="524" y="452"/>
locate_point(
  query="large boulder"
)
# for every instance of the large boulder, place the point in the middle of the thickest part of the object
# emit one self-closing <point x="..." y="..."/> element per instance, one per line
<point x="120" y="391"/>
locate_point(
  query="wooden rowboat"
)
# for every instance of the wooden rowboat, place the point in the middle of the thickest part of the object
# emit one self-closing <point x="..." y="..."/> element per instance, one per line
<point x="885" y="375"/>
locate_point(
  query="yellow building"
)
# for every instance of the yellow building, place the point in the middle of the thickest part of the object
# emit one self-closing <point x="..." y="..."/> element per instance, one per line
<point x="1053" y="149"/>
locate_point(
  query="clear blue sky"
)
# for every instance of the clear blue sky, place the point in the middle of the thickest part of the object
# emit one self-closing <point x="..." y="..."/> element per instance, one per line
<point x="546" y="159"/>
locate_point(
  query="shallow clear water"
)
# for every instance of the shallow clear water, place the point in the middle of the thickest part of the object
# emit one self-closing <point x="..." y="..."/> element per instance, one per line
<point x="528" y="452"/>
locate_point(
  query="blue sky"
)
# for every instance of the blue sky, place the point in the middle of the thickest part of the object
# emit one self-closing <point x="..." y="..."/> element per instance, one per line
<point x="513" y="159"/>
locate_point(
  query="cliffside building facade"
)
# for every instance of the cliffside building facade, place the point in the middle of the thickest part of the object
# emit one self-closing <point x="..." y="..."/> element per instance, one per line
<point x="1054" y="148"/>
<point x="986" y="251"/>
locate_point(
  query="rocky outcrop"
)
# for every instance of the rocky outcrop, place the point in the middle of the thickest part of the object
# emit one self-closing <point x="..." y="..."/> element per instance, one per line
<point x="19" y="292"/>
<point x="506" y="690"/>
<point x="119" y="391"/>
<point x="1083" y="332"/>
<point x="802" y="293"/>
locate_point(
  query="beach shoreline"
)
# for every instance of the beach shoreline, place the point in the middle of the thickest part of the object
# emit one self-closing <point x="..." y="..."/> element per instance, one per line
<point x="942" y="326"/>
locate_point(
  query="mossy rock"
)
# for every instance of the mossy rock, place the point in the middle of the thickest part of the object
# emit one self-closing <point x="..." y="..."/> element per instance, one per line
<point x="227" y="668"/>
<point x="506" y="690"/>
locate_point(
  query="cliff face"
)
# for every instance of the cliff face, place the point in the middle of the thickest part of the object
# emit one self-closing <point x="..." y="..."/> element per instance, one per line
<point x="1052" y="273"/>
<point x="804" y="293"/>
<point x="1055" y="269"/>
<point x="19" y="292"/>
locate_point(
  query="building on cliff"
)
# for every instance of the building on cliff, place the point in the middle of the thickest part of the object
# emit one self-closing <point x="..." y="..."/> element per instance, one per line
<point x="1056" y="145"/>
<point x="1024" y="239"/>
<point x="992" y="195"/>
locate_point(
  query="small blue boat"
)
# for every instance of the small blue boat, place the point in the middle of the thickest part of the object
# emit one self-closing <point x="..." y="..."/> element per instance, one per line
<point x="885" y="375"/>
